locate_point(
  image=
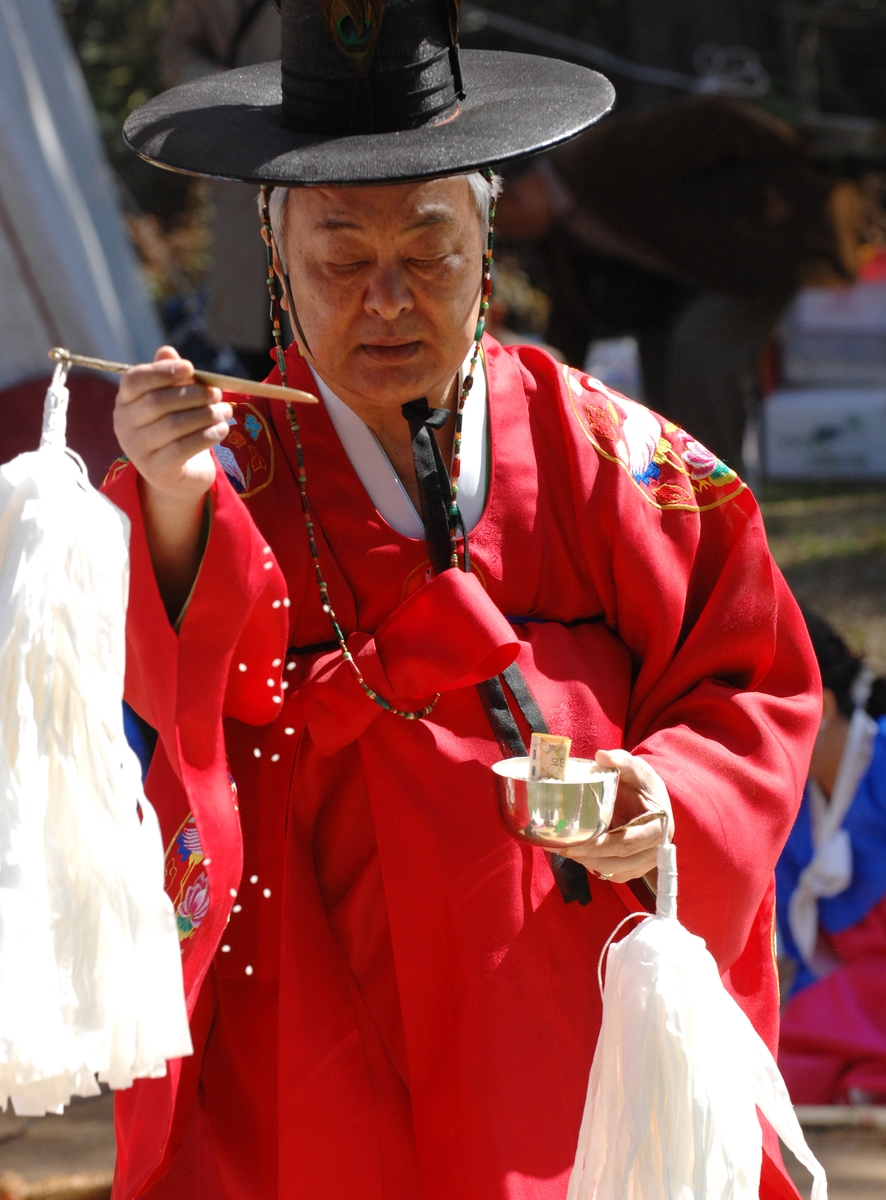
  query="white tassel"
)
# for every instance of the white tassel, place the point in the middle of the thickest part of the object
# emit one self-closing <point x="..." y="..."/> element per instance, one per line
<point x="678" y="1070"/>
<point x="90" y="968"/>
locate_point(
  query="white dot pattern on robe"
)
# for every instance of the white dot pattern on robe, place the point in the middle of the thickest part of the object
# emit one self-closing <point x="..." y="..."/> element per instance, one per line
<point x="237" y="908"/>
<point x="207" y="862"/>
<point x="226" y="949"/>
<point x="233" y="891"/>
<point x="275" y="604"/>
<point x="289" y="731"/>
<point x="253" y="879"/>
<point x="290" y="666"/>
<point x="241" y="666"/>
<point x="287" y="602"/>
<point x="266" y="549"/>
<point x="249" y="970"/>
<point x="276" y="662"/>
<point x="268" y="565"/>
<point x="285" y="685"/>
<point x="271" y="682"/>
<point x="275" y="758"/>
<point x="277" y="699"/>
<point x="257" y="752"/>
<point x="267" y="893"/>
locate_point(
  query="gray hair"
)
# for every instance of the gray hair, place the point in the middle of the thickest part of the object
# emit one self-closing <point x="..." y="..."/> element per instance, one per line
<point x="483" y="190"/>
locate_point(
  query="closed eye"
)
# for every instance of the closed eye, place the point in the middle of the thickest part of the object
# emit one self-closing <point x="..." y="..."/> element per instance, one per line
<point x="427" y="264"/>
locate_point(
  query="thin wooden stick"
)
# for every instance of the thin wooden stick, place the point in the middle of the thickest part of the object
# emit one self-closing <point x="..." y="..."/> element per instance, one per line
<point x="228" y="383"/>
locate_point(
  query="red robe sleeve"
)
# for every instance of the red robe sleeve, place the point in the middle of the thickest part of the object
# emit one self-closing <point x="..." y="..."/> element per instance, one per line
<point x="725" y="701"/>
<point x="726" y="697"/>
<point x="225" y="660"/>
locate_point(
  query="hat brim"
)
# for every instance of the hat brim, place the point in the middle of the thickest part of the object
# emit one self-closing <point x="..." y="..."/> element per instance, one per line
<point x="229" y="126"/>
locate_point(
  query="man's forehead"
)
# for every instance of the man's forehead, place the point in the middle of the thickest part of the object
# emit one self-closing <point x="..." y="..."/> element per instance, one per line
<point x="407" y="206"/>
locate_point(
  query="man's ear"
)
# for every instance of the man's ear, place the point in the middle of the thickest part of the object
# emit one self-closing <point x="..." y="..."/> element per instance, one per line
<point x="829" y="706"/>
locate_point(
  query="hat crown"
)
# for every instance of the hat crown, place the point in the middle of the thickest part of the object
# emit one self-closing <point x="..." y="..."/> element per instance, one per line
<point x="368" y="66"/>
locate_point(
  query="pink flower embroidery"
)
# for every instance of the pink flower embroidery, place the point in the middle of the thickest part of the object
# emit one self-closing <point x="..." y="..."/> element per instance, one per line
<point x="194" y="906"/>
<point x="700" y="461"/>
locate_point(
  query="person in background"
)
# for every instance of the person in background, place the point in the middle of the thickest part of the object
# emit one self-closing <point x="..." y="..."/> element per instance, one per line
<point x="831" y="893"/>
<point x="205" y="37"/>
<point x="689" y="227"/>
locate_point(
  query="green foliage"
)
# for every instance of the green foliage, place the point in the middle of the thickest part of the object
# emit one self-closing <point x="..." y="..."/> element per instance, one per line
<point x="117" y="43"/>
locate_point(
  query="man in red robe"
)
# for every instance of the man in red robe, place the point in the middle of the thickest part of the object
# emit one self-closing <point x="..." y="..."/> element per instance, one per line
<point x="390" y="999"/>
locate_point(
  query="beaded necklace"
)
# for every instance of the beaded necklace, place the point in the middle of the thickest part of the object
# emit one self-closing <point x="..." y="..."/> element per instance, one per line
<point x="292" y="418"/>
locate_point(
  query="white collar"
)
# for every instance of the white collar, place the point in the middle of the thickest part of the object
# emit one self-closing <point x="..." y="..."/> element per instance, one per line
<point x="381" y="480"/>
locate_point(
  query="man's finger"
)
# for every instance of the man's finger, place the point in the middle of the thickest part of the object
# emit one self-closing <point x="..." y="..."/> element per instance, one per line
<point x="639" y="777"/>
<point x="174" y="455"/>
<point x="617" y="870"/>
<point x="621" y="843"/>
<point x="174" y="426"/>
<point x="148" y="377"/>
<point x="634" y="771"/>
<point x="155" y="406"/>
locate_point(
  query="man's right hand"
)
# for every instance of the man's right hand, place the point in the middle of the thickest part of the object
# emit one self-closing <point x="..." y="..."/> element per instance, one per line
<point x="166" y="425"/>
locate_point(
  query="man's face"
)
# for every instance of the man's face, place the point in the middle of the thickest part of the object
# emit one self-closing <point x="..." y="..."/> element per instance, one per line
<point x="386" y="281"/>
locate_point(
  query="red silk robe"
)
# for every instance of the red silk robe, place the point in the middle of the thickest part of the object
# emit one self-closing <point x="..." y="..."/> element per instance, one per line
<point x="390" y="999"/>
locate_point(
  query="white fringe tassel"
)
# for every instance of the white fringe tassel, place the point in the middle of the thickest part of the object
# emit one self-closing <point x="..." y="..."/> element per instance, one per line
<point x="90" y="968"/>
<point x="677" y="1075"/>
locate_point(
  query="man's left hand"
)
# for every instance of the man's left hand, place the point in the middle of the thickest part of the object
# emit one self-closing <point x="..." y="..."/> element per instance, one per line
<point x="629" y="853"/>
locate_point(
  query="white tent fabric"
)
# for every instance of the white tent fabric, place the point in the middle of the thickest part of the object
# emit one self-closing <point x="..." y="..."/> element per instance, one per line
<point x="68" y="275"/>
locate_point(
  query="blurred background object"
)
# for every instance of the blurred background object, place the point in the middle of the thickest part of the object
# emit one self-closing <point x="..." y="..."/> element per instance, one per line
<point x="696" y="253"/>
<point x="831" y="893"/>
<point x="740" y="167"/>
<point x="688" y="227"/>
<point x="59" y="1158"/>
<point x="68" y="274"/>
<point x="203" y="37"/>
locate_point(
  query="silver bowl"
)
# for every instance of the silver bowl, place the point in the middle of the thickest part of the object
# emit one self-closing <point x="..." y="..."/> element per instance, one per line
<point x="553" y="812"/>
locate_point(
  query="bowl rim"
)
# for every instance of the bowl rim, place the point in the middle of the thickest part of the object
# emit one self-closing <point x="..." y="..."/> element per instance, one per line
<point x="507" y="768"/>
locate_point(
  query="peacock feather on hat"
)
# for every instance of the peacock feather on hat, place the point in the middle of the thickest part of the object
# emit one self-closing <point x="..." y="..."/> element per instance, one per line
<point x="355" y="26"/>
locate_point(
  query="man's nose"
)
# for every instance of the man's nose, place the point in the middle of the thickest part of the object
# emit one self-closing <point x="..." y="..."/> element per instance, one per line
<point x="388" y="294"/>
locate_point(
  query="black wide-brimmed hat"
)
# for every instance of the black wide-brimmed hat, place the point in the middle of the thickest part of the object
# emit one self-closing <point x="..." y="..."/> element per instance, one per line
<point x="369" y="91"/>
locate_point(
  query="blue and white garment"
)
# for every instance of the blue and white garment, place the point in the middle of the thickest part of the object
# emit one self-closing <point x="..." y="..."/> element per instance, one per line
<point x="865" y="825"/>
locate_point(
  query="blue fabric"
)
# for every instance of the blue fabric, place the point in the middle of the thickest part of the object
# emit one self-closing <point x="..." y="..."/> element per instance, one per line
<point x="140" y="736"/>
<point x="795" y="856"/>
<point x="865" y="823"/>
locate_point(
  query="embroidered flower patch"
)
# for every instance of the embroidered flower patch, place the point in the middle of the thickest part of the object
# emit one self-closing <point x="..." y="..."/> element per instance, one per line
<point x="669" y="466"/>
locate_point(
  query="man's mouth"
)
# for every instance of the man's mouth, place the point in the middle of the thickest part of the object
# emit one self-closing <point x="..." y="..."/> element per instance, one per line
<point x="390" y="352"/>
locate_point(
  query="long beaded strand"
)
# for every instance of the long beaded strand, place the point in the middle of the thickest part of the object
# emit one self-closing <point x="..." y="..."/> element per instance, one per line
<point x="469" y="377"/>
<point x="275" y="299"/>
<point x="292" y="417"/>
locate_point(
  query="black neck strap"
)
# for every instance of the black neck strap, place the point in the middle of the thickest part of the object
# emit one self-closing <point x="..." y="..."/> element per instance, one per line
<point x="293" y="312"/>
<point x="434" y="498"/>
<point x="432" y="478"/>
